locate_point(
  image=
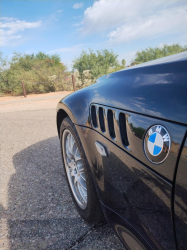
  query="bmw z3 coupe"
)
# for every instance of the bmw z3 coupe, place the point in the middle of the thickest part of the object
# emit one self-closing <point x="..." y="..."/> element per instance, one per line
<point x="124" y="151"/>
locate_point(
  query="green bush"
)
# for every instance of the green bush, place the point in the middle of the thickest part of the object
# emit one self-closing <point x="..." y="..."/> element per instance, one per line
<point x="40" y="73"/>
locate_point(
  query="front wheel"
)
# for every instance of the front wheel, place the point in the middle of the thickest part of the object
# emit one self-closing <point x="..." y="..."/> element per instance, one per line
<point x="74" y="169"/>
<point x="78" y="173"/>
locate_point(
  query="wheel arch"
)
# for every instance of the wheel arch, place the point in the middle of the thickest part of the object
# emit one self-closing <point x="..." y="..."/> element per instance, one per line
<point x="61" y="115"/>
<point x="63" y="111"/>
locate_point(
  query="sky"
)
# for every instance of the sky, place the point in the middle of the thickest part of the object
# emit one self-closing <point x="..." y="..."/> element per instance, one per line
<point x="67" y="27"/>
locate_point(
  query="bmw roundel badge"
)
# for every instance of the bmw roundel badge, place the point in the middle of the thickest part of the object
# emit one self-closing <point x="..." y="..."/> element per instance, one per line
<point x="157" y="144"/>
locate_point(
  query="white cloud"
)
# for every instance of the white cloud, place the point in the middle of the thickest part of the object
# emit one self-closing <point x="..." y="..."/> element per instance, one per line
<point x="59" y="11"/>
<point x="156" y="25"/>
<point x="127" y="20"/>
<point x="7" y="18"/>
<point x="11" y="28"/>
<point x="66" y="49"/>
<point x="78" y="5"/>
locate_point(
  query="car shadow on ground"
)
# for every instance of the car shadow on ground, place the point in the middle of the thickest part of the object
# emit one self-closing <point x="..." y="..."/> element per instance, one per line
<point x="41" y="214"/>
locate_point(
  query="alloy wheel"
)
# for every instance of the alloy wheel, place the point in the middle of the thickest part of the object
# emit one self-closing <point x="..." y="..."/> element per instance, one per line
<point x="74" y="169"/>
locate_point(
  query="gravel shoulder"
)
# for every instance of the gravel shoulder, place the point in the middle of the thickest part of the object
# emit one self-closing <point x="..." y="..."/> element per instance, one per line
<point x="36" y="210"/>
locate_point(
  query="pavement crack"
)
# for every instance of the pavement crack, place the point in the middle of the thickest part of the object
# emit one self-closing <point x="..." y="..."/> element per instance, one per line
<point x="82" y="237"/>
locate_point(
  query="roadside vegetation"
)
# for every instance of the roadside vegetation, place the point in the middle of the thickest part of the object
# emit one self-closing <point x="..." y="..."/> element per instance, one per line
<point x="91" y="65"/>
<point x="42" y="73"/>
<point x="150" y="54"/>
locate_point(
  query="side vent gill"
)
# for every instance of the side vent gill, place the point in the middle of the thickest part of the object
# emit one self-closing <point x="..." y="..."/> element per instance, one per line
<point x="123" y="130"/>
<point x="94" y="117"/>
<point x="110" y="117"/>
<point x="101" y="119"/>
<point x="98" y="113"/>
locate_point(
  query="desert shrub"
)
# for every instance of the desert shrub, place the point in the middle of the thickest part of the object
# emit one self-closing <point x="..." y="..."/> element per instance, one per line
<point x="41" y="73"/>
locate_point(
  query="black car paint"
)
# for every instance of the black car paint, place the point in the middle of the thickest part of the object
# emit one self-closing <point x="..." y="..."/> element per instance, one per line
<point x="136" y="195"/>
<point x="180" y="205"/>
<point x="133" y="191"/>
<point x="136" y="122"/>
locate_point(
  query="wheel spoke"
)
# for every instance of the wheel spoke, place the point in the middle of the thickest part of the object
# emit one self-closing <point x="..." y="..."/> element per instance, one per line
<point x="83" y="186"/>
<point x="84" y="191"/>
<point x="82" y="176"/>
<point x="68" y="155"/>
<point x="81" y="170"/>
<point x="73" y="143"/>
<point x="76" y="153"/>
<point x="69" y="144"/>
<point x="78" y="159"/>
<point x="71" y="173"/>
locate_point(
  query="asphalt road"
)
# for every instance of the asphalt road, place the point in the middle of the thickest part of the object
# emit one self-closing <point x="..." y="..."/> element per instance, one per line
<point x="36" y="210"/>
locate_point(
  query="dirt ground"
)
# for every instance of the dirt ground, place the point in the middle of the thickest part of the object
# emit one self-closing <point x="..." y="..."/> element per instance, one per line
<point x="31" y="96"/>
<point x="31" y="102"/>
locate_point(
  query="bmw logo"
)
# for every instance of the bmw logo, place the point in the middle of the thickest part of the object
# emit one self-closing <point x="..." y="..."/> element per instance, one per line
<point x="157" y="144"/>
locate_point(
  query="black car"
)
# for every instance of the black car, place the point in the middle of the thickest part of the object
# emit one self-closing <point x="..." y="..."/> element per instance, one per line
<point x="124" y="150"/>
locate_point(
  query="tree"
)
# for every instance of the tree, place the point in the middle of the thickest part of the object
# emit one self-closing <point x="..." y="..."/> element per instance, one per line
<point x="50" y="59"/>
<point x="133" y="63"/>
<point x="123" y="62"/>
<point x="3" y="73"/>
<point x="97" y="63"/>
<point x="150" y="54"/>
<point x="20" y="61"/>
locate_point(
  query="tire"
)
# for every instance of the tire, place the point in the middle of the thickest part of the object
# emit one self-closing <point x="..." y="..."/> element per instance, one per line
<point x="78" y="174"/>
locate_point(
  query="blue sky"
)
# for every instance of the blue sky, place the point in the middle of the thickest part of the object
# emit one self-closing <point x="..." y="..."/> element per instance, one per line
<point x="68" y="27"/>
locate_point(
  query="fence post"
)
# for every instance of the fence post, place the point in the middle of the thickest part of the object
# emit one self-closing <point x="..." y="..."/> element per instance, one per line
<point x="73" y="81"/>
<point x="23" y="86"/>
